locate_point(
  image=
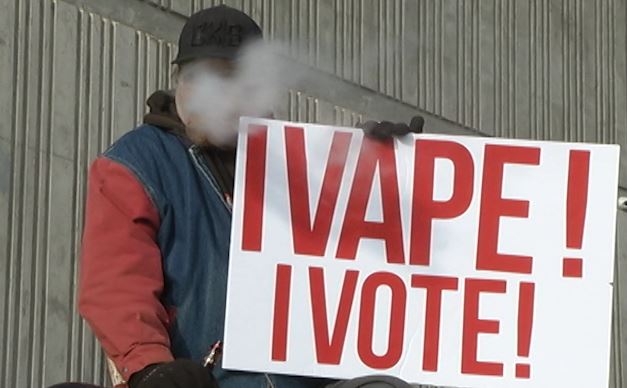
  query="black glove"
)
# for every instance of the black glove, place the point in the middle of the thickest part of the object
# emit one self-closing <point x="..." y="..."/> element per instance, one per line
<point x="175" y="374"/>
<point x="387" y="129"/>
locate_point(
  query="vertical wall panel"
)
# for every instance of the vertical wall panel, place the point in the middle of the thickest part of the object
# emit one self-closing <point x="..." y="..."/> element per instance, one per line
<point x="8" y="26"/>
<point x="69" y="78"/>
<point x="60" y="255"/>
<point x="531" y="69"/>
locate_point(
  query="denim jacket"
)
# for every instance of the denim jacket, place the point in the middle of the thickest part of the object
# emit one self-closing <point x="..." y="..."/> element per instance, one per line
<point x="193" y="238"/>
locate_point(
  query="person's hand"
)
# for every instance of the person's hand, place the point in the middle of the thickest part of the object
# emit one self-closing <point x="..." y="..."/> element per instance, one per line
<point x="388" y="129"/>
<point x="175" y="374"/>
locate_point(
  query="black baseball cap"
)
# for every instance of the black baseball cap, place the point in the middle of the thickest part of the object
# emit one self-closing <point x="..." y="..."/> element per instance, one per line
<point x="216" y="32"/>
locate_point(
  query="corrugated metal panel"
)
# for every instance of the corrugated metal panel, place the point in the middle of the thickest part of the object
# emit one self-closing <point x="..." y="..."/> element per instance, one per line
<point x="324" y="85"/>
<point x="73" y="81"/>
<point x="535" y="69"/>
<point x="540" y="69"/>
<point x="44" y="193"/>
<point x="304" y="108"/>
<point x="25" y="132"/>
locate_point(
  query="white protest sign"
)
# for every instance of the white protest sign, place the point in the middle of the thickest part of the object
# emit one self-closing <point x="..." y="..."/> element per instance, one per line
<point x="445" y="260"/>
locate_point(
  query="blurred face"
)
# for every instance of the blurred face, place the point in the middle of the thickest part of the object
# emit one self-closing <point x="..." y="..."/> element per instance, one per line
<point x="199" y="86"/>
<point x="212" y="94"/>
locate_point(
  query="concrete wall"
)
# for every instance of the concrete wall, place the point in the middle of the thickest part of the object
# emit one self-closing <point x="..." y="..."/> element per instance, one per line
<point x="74" y="75"/>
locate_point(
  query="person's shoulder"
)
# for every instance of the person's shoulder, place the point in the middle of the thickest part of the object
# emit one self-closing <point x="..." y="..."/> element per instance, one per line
<point x="144" y="139"/>
<point x="143" y="133"/>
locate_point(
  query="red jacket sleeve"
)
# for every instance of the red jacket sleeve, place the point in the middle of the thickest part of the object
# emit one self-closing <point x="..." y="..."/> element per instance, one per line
<point x="121" y="276"/>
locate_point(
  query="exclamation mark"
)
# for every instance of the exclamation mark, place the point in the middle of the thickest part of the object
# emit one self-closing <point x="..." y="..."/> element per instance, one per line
<point x="525" y="325"/>
<point x="576" y="203"/>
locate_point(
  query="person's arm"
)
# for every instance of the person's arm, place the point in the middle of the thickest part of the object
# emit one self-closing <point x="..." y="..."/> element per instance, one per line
<point x="121" y="275"/>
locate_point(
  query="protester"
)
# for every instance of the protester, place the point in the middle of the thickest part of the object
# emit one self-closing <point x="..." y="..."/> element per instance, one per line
<point x="158" y="213"/>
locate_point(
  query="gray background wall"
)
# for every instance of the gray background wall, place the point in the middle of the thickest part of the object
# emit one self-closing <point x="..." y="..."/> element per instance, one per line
<point x="74" y="75"/>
